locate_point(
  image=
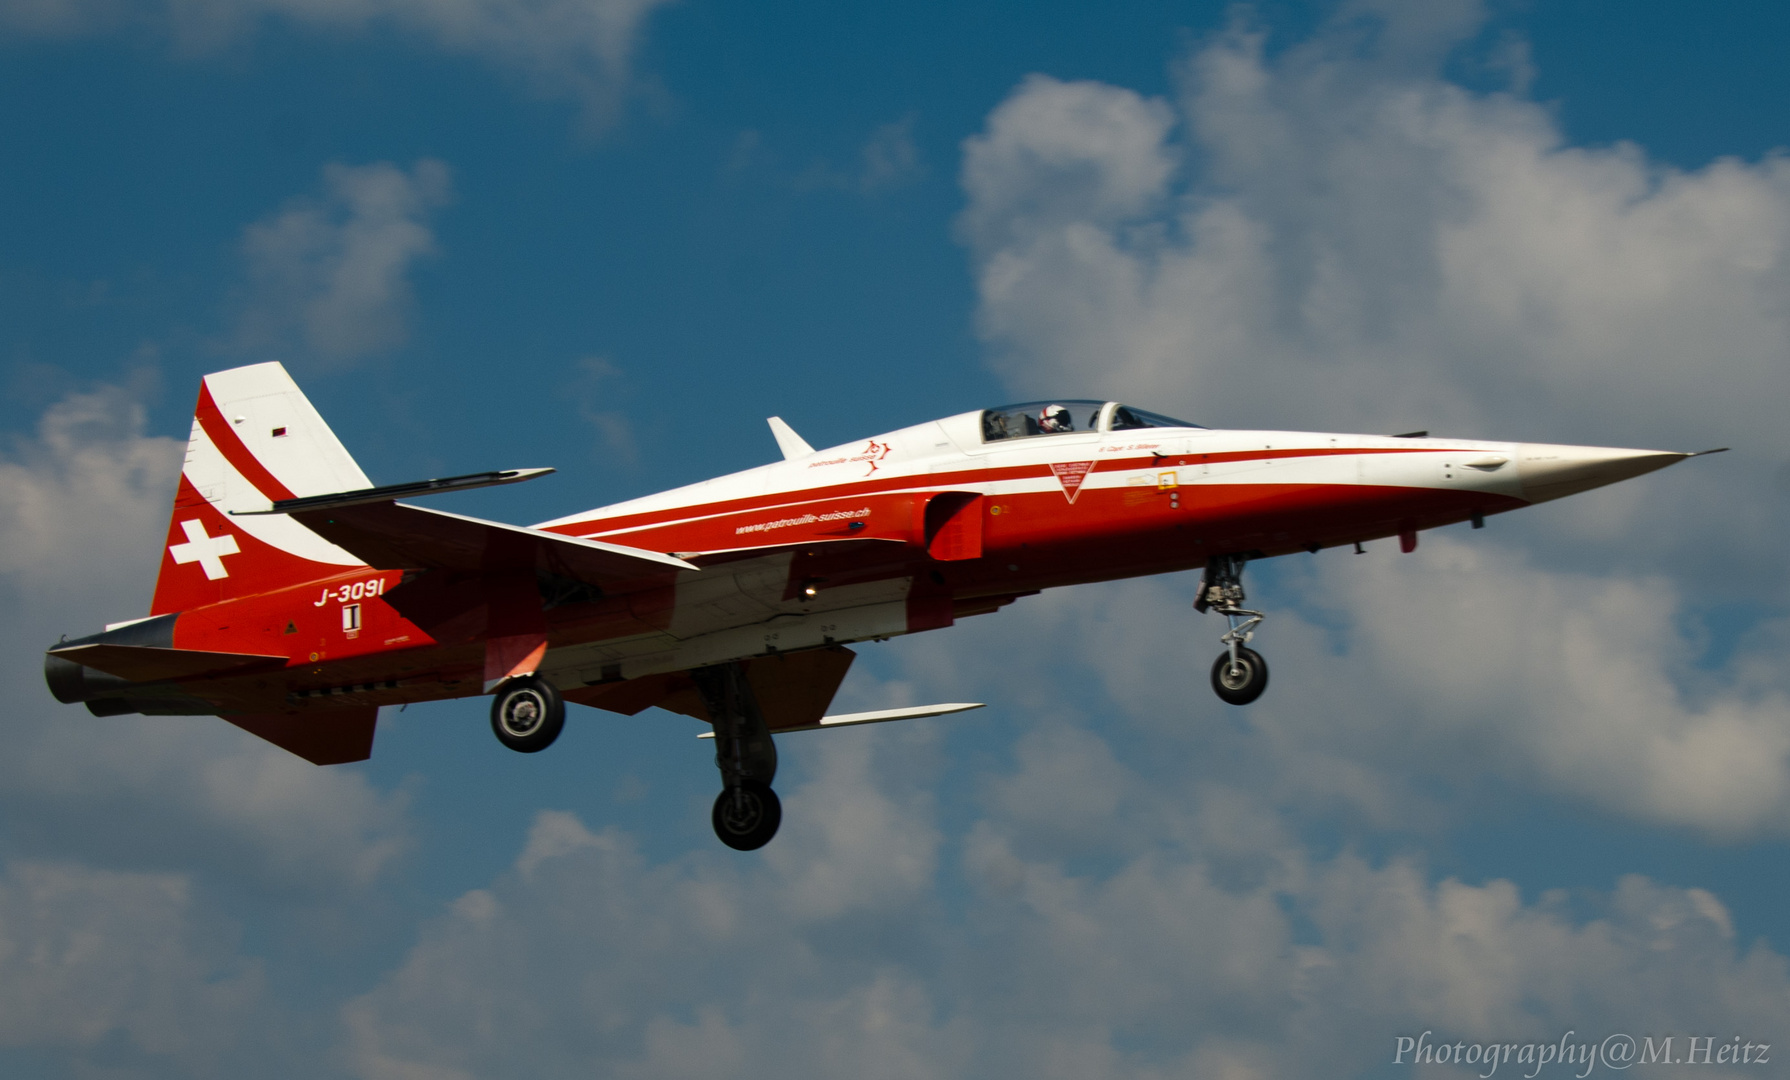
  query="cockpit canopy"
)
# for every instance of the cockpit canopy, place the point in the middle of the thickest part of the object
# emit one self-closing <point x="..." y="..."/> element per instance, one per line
<point x="1065" y="415"/>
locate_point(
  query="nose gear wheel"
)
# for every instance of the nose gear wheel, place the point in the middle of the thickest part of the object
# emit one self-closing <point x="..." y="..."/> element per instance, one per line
<point x="1240" y="674"/>
<point x="1239" y="679"/>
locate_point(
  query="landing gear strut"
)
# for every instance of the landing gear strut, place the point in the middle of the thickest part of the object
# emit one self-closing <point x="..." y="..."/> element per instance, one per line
<point x="747" y="811"/>
<point x="1240" y="674"/>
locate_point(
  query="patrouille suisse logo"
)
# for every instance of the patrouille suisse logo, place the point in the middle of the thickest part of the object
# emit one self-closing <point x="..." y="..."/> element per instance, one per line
<point x="874" y="453"/>
<point x="1070" y="474"/>
<point x="870" y="455"/>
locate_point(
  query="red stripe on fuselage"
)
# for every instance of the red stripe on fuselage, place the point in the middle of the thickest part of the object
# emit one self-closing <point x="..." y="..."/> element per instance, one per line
<point x="224" y="437"/>
<point x="609" y="529"/>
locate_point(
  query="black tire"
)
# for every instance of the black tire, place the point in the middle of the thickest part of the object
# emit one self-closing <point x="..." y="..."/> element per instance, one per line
<point x="527" y="714"/>
<point x="1247" y="683"/>
<point x="746" y="817"/>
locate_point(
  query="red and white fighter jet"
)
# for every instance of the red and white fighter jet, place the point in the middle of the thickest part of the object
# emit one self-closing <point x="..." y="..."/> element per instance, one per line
<point x="295" y="598"/>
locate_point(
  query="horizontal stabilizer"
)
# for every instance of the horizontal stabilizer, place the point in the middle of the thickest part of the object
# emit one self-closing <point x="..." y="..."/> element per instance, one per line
<point x="879" y="716"/>
<point x="399" y="491"/>
<point x="145" y="663"/>
<point x="394" y="536"/>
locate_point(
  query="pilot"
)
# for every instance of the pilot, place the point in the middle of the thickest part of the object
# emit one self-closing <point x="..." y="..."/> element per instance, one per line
<point x="1055" y="418"/>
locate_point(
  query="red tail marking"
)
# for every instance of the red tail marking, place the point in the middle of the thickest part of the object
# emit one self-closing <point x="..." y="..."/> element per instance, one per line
<point x="250" y="566"/>
<point x="224" y="437"/>
<point x="207" y="551"/>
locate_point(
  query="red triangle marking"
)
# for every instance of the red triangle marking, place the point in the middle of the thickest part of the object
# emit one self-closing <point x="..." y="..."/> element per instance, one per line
<point x="1070" y="474"/>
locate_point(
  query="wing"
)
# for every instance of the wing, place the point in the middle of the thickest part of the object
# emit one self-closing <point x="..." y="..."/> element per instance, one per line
<point x="793" y="689"/>
<point x="388" y="535"/>
<point x="396" y="536"/>
<point x="879" y="716"/>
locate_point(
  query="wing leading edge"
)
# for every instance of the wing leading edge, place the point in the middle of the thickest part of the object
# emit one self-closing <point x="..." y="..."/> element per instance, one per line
<point x="397" y="536"/>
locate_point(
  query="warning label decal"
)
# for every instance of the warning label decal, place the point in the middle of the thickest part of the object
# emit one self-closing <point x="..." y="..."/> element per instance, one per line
<point x="1070" y="474"/>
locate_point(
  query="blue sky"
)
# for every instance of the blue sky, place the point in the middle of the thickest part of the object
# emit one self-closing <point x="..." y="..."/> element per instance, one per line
<point x="1530" y="779"/>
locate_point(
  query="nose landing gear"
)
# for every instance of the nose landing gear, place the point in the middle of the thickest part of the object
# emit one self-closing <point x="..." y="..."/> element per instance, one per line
<point x="1239" y="675"/>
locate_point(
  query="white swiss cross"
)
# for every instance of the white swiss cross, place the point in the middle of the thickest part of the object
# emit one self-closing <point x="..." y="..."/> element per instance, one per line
<point x="207" y="551"/>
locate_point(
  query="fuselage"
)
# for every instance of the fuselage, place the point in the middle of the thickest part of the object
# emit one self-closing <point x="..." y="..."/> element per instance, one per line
<point x="899" y="533"/>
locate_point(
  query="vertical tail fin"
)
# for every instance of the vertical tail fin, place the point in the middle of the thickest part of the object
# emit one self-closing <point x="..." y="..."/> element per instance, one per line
<point x="255" y="439"/>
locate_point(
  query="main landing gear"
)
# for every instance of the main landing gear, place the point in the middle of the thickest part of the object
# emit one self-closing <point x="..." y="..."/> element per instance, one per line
<point x="527" y="714"/>
<point x="747" y="812"/>
<point x="1239" y="675"/>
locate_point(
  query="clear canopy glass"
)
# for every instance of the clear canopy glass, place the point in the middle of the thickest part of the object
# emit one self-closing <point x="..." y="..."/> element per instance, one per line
<point x="1040" y="418"/>
<point x="1066" y="415"/>
<point x="1127" y="417"/>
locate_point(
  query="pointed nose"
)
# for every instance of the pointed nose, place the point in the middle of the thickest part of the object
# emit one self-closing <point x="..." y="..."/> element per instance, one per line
<point x="1548" y="472"/>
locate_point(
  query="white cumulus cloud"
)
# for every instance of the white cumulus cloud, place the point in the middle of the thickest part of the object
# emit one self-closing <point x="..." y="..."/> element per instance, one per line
<point x="127" y="836"/>
<point x="91" y="955"/>
<point x="1336" y="237"/>
<point x="83" y="512"/>
<point x="1328" y="239"/>
<point x="1169" y="960"/>
<point x="334" y="273"/>
<point x="579" y="49"/>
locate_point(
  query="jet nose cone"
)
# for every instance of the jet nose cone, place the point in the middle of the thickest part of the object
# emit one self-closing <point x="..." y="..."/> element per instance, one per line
<point x="1547" y="471"/>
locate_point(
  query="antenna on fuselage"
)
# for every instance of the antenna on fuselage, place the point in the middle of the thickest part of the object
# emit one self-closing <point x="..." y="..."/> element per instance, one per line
<point x="792" y="445"/>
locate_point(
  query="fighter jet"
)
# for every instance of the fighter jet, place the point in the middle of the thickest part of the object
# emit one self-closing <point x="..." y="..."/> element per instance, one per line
<point x="295" y="598"/>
